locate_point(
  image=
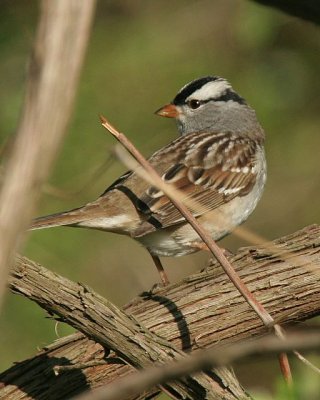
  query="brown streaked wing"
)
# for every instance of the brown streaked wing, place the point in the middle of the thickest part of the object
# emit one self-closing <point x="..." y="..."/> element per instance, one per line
<point x="229" y="173"/>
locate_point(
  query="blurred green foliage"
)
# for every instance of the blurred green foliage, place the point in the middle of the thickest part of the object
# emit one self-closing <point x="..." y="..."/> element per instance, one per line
<point x="140" y="54"/>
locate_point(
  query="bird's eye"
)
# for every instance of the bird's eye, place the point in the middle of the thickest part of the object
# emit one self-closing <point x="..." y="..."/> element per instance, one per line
<point x="194" y="104"/>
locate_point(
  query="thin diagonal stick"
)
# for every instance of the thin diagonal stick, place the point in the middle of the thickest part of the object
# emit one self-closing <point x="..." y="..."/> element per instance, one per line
<point x="266" y="318"/>
<point x="213" y="247"/>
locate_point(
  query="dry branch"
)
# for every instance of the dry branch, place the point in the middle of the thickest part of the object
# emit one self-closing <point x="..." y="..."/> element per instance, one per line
<point x="203" y="310"/>
<point x="54" y="70"/>
<point x="108" y="325"/>
<point x="203" y="360"/>
<point x="205" y="236"/>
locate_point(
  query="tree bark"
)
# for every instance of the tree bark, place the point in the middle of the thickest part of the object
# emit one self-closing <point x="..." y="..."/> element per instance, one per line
<point x="54" y="70"/>
<point x="202" y="311"/>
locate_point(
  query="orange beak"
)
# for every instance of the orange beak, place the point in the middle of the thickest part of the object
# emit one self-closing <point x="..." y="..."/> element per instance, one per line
<point x="168" y="111"/>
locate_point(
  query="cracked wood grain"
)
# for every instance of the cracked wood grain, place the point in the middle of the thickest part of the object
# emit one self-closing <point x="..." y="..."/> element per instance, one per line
<point x="203" y="310"/>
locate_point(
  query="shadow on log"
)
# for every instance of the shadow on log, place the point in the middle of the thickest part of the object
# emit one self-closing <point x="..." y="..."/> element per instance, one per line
<point x="201" y="311"/>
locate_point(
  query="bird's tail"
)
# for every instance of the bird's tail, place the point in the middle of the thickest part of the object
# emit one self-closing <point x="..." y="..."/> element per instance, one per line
<point x="72" y="218"/>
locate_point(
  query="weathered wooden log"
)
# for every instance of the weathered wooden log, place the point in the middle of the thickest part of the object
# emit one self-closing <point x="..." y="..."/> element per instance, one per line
<point x="203" y="310"/>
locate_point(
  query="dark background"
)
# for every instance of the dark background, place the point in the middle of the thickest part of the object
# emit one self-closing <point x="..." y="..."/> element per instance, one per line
<point x="140" y="53"/>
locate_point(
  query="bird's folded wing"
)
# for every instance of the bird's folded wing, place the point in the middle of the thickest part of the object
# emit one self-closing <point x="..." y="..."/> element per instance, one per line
<point x="220" y="168"/>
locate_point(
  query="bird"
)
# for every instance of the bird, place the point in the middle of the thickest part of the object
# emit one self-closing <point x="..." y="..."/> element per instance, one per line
<point x="217" y="161"/>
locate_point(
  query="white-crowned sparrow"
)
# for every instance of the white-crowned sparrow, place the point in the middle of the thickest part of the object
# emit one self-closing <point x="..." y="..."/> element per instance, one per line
<point x="218" y="162"/>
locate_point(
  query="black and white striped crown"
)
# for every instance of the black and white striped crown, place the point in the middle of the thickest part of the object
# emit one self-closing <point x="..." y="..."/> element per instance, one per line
<point x="209" y="88"/>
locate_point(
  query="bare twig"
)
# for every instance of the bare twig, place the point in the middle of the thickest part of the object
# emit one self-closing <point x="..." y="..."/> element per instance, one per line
<point x="266" y="318"/>
<point x="53" y="75"/>
<point x="192" y="314"/>
<point x="151" y="175"/>
<point x="102" y="321"/>
<point x="201" y="361"/>
<point x="283" y="358"/>
<point x="306" y="362"/>
<point x="205" y="236"/>
<point x="285" y="368"/>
